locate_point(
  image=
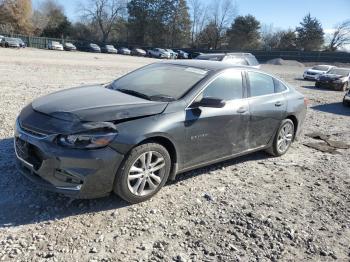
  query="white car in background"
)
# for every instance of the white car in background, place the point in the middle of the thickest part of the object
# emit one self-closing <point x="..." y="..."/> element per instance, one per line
<point x="54" y="45"/>
<point x="314" y="72"/>
<point x="158" y="53"/>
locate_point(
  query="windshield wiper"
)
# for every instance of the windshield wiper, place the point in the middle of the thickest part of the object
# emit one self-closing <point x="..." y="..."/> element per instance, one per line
<point x="133" y="93"/>
<point x="165" y="98"/>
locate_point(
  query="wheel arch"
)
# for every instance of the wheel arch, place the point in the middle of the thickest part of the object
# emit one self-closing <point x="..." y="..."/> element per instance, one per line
<point x="170" y="147"/>
<point x="295" y="122"/>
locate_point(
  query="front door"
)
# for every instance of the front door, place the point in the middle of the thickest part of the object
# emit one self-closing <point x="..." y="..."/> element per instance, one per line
<point x="212" y="133"/>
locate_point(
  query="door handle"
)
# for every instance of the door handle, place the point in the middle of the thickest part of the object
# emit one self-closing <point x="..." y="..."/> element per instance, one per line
<point x="241" y="110"/>
<point x="279" y="103"/>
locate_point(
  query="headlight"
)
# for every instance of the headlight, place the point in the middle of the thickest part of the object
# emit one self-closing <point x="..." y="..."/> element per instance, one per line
<point x="340" y="80"/>
<point x="89" y="141"/>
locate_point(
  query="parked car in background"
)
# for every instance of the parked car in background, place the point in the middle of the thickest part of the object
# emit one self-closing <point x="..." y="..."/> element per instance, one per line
<point x="314" y="72"/>
<point x="10" y="42"/>
<point x="21" y="43"/>
<point x="124" y="51"/>
<point x="109" y="49"/>
<point x="89" y="47"/>
<point x="182" y="54"/>
<point x="138" y="52"/>
<point x="54" y="45"/>
<point x="69" y="47"/>
<point x="173" y="55"/>
<point x="133" y="135"/>
<point x="346" y="99"/>
<point x="194" y="54"/>
<point x="336" y="79"/>
<point x="245" y="59"/>
<point x="158" y="53"/>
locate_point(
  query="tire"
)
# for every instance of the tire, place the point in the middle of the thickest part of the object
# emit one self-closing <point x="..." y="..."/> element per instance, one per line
<point x="134" y="186"/>
<point x="345" y="86"/>
<point x="317" y="84"/>
<point x="276" y="149"/>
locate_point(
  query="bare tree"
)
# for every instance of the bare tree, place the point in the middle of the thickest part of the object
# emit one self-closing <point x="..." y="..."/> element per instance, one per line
<point x="223" y="13"/>
<point x="199" y="15"/>
<point x="340" y="36"/>
<point x="104" y="13"/>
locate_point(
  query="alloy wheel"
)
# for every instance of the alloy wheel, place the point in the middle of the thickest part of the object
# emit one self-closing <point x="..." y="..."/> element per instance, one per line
<point x="285" y="137"/>
<point x="146" y="173"/>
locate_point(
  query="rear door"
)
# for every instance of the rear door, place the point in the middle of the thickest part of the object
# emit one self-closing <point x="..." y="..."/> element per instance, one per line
<point x="212" y="133"/>
<point x="267" y="108"/>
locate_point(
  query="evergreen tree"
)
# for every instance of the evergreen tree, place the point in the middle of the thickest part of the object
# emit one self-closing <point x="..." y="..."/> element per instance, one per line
<point x="310" y="35"/>
<point x="244" y="33"/>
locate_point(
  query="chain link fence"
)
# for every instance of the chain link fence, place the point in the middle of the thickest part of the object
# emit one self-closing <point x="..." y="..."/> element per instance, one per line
<point x="261" y="55"/>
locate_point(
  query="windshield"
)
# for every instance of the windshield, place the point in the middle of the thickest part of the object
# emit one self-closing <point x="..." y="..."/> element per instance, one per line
<point x="321" y="68"/>
<point x="8" y="39"/>
<point x="93" y="45"/>
<point x="110" y="46"/>
<point x="160" y="81"/>
<point x="211" y="57"/>
<point x="339" y="71"/>
<point x="54" y="43"/>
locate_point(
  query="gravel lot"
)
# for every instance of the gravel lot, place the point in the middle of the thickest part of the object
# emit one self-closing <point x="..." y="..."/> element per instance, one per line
<point x="254" y="208"/>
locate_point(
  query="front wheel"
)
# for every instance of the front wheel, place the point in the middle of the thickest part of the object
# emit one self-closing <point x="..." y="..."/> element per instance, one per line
<point x="283" y="138"/>
<point x="143" y="173"/>
<point x="345" y="86"/>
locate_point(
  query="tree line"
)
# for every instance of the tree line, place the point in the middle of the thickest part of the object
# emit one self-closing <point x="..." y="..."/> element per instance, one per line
<point x="167" y="23"/>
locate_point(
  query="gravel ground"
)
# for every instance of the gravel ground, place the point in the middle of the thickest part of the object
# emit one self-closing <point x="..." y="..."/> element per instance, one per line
<point x="254" y="208"/>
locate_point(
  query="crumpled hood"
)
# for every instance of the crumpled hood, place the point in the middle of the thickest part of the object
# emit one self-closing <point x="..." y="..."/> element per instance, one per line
<point x="95" y="103"/>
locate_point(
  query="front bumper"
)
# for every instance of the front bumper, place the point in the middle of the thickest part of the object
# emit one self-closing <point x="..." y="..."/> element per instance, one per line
<point x="329" y="84"/>
<point x="73" y="172"/>
<point x="310" y="77"/>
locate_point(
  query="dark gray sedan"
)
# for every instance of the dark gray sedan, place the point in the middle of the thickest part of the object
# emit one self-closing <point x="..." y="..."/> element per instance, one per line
<point x="133" y="135"/>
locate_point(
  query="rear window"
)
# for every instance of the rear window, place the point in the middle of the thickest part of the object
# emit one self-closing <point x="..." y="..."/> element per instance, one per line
<point x="252" y="61"/>
<point x="260" y="84"/>
<point x="236" y="60"/>
<point x="211" y="57"/>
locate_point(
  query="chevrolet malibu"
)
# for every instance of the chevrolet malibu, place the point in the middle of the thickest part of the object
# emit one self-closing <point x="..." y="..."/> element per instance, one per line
<point x="133" y="135"/>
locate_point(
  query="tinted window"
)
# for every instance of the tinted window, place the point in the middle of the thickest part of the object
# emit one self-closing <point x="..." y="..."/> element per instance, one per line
<point x="218" y="57"/>
<point x="260" y="84"/>
<point x="279" y="86"/>
<point x="227" y="86"/>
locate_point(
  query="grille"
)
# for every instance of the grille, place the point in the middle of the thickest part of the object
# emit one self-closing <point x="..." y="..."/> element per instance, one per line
<point x="32" y="132"/>
<point x="29" y="153"/>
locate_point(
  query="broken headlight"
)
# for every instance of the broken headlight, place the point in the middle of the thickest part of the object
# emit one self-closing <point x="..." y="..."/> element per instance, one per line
<point x="89" y="141"/>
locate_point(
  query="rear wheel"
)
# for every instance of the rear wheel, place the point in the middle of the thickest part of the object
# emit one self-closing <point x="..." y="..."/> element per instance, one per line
<point x="283" y="138"/>
<point x="143" y="173"/>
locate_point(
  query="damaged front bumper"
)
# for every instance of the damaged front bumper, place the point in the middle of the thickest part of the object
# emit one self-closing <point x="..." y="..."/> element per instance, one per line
<point x="78" y="173"/>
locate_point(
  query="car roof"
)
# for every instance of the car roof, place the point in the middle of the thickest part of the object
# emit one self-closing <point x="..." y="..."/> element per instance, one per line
<point x="206" y="64"/>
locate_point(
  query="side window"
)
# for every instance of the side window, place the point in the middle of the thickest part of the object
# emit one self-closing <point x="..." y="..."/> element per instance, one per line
<point x="227" y="86"/>
<point x="279" y="86"/>
<point x="260" y="84"/>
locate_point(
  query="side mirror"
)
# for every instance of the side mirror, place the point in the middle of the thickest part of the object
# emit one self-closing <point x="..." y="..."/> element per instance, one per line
<point x="211" y="102"/>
